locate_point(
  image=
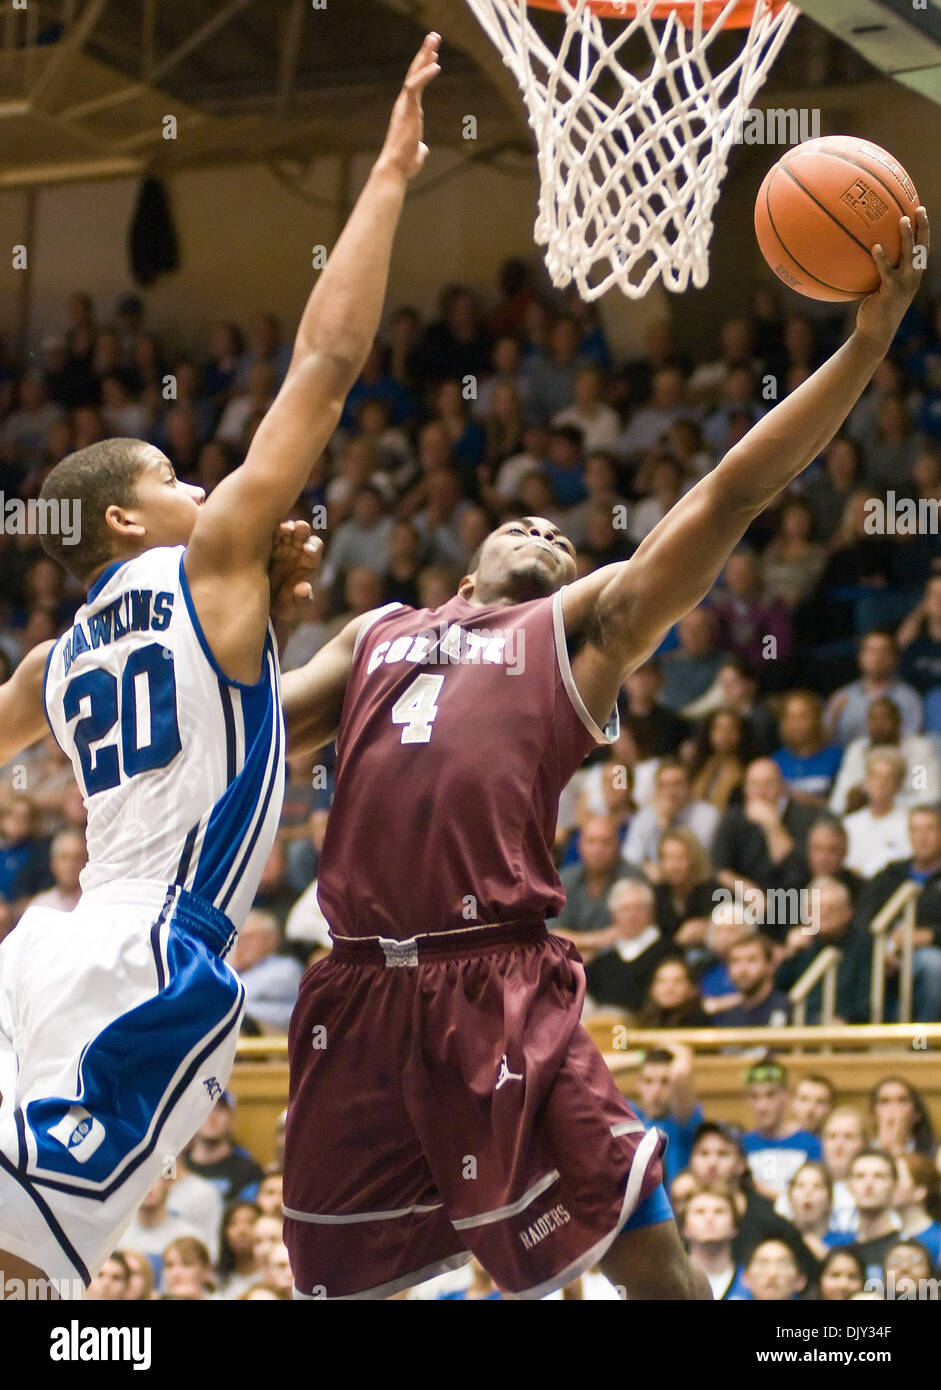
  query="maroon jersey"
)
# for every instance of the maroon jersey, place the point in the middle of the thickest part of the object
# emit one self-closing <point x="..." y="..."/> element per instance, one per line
<point x="460" y="727"/>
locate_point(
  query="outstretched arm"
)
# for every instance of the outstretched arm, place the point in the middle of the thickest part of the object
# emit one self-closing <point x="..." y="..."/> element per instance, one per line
<point x="312" y="696"/>
<point x="618" y="616"/>
<point x="22" y="719"/>
<point x="231" y="540"/>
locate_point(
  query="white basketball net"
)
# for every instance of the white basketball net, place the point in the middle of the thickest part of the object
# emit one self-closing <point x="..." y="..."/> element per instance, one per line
<point x="630" y="167"/>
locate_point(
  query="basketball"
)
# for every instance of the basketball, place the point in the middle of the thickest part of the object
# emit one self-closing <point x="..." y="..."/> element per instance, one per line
<point x="823" y="206"/>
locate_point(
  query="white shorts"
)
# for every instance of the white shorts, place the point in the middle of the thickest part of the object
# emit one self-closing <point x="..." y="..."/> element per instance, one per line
<point x="118" y="1028"/>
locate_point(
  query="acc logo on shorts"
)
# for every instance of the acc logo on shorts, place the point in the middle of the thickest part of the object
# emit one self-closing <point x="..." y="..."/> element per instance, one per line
<point x="80" y="1132"/>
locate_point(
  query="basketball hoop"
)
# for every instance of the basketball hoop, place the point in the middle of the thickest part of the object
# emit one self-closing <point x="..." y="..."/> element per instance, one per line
<point x="630" y="166"/>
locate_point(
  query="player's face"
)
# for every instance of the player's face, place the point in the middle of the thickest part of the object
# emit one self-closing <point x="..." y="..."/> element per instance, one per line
<point x="165" y="506"/>
<point x="523" y="560"/>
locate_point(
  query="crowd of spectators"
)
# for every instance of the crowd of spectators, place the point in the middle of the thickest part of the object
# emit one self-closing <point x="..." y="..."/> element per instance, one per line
<point x="816" y="1200"/>
<point x="777" y="773"/>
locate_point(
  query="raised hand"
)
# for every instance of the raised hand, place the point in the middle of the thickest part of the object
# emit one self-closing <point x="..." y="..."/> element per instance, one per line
<point x="404" y="147"/>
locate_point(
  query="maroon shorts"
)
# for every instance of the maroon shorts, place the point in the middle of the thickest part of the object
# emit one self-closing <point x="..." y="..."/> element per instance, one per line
<point x="444" y="1100"/>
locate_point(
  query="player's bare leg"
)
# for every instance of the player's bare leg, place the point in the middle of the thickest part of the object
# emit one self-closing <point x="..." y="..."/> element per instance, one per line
<point x="650" y="1263"/>
<point x="12" y="1267"/>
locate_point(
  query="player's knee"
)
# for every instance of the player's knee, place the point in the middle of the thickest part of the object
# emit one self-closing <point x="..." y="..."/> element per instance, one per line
<point x="651" y="1263"/>
<point x="672" y="1281"/>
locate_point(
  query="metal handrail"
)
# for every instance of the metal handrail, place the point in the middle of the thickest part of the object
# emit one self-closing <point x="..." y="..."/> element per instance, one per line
<point x="901" y="904"/>
<point x="823" y="967"/>
<point x="853" y="1037"/>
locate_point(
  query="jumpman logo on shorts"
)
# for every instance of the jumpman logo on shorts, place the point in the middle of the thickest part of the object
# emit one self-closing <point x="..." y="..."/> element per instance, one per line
<point x="506" y="1074"/>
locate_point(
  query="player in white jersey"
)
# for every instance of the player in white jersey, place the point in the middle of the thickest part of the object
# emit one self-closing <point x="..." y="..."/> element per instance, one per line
<point x="118" y="1021"/>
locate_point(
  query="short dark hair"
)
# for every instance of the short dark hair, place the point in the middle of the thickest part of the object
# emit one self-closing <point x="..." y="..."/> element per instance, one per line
<point x="819" y="1080"/>
<point x="657" y="1055"/>
<point x="729" y="1133"/>
<point x="570" y="433"/>
<point x="118" y="1258"/>
<point x="887" y="1158"/>
<point x="829" y="822"/>
<point x="97" y="477"/>
<point x="750" y="938"/>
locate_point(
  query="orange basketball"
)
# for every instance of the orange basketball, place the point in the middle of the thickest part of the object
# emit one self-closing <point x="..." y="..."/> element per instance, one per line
<point x="823" y="206"/>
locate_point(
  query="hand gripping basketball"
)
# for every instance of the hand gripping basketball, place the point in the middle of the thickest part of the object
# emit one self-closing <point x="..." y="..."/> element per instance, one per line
<point x="404" y="147"/>
<point x="881" y="313"/>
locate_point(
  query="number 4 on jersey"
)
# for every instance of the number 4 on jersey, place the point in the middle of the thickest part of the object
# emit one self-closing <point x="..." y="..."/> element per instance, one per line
<point x="416" y="709"/>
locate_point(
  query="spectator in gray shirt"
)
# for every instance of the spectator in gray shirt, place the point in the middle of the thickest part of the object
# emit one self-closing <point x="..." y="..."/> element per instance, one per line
<point x="672" y="806"/>
<point x="848" y="710"/>
<point x="271" y="981"/>
<point x="588" y="882"/>
<point x="691" y="668"/>
<point x="551" y="378"/>
<point x="363" y="539"/>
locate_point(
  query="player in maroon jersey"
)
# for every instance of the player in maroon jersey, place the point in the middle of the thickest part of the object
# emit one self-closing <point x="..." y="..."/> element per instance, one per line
<point x="444" y="1097"/>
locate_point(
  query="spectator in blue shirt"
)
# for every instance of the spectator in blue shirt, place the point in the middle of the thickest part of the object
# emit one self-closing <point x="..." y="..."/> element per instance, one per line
<point x="807" y="761"/>
<point x="667" y="1102"/>
<point x="564" y="465"/>
<point x="24" y="855"/>
<point x="751" y="965"/>
<point x="776" y="1148"/>
<point x="270" y="980"/>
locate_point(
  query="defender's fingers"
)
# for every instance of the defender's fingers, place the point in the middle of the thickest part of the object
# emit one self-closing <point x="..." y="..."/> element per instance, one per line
<point x="425" y="55"/>
<point x="417" y="84"/>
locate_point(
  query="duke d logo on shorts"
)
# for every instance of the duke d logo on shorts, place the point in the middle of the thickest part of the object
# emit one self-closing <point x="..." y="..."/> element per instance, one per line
<point x="80" y="1132"/>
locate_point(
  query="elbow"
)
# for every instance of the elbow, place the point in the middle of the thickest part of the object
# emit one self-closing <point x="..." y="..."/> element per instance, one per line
<point x="334" y="370"/>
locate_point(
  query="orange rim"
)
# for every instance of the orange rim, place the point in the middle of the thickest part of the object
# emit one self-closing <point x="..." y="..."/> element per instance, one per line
<point x="740" y="18"/>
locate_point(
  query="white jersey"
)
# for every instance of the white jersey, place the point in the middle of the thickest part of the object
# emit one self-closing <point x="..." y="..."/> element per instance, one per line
<point x="181" y="768"/>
